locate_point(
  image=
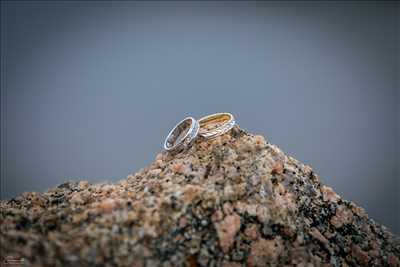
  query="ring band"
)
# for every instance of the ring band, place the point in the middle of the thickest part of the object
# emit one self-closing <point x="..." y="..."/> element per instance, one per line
<point x="216" y="124"/>
<point x="182" y="134"/>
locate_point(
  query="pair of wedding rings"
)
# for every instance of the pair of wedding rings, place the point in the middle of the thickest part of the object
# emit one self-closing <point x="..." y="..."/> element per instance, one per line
<point x="187" y="130"/>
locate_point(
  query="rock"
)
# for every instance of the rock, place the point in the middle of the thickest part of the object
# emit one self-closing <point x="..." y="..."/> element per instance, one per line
<point x="328" y="194"/>
<point x="235" y="200"/>
<point x="317" y="235"/>
<point x="231" y="264"/>
<point x="360" y="255"/>
<point x="393" y="261"/>
<point x="251" y="231"/>
<point x="265" y="251"/>
<point x="107" y="205"/>
<point x="77" y="199"/>
<point x="227" y="230"/>
<point x="342" y="216"/>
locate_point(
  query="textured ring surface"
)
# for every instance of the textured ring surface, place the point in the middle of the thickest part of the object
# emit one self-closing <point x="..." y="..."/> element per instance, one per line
<point x="182" y="134"/>
<point x="216" y="124"/>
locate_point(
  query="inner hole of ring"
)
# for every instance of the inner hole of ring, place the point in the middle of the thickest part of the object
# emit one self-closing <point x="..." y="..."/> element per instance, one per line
<point x="179" y="132"/>
<point x="214" y="122"/>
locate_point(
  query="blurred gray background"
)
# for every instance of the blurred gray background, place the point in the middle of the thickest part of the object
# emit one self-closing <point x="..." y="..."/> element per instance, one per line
<point x="90" y="89"/>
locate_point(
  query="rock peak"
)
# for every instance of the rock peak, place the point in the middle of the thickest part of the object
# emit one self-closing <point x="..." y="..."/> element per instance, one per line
<point x="235" y="200"/>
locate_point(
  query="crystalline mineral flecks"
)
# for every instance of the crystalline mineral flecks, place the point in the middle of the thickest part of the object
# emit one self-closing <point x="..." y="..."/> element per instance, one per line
<point x="234" y="200"/>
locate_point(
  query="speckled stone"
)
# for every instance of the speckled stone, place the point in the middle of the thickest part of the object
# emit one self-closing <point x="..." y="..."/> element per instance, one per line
<point x="235" y="200"/>
<point x="227" y="230"/>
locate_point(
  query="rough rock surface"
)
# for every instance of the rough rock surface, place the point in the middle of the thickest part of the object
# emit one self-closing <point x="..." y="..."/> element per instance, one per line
<point x="232" y="201"/>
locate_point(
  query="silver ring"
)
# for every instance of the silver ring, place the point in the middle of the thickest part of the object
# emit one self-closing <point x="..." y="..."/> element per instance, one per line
<point x="216" y="124"/>
<point x="182" y="134"/>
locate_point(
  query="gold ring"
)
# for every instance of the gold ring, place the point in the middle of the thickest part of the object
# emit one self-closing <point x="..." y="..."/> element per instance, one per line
<point x="216" y="124"/>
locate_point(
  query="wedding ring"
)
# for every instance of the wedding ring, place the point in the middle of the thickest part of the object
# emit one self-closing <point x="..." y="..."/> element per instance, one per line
<point x="216" y="124"/>
<point x="182" y="134"/>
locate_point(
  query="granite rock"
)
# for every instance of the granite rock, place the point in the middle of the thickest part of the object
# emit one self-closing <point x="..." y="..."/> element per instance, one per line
<point x="235" y="200"/>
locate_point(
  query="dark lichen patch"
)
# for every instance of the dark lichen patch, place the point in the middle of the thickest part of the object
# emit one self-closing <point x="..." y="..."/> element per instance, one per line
<point x="235" y="200"/>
